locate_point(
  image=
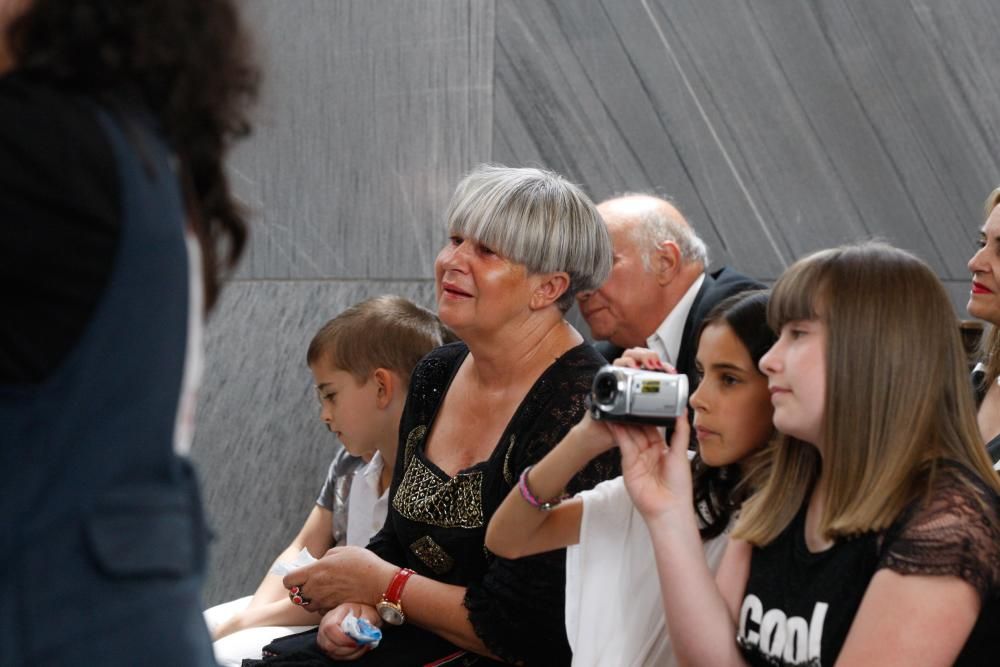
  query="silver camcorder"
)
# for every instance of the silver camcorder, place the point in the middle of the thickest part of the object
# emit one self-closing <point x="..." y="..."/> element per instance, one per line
<point x="638" y="396"/>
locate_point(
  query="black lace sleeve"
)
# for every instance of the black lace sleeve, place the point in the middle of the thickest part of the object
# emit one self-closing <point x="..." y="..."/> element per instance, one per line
<point x="518" y="609"/>
<point x="955" y="533"/>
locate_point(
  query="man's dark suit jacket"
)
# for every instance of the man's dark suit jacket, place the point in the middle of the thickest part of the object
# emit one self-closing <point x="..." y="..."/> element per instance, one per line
<point x="716" y="287"/>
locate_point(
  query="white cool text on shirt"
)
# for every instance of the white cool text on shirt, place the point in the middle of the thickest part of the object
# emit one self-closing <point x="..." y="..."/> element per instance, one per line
<point x="789" y="639"/>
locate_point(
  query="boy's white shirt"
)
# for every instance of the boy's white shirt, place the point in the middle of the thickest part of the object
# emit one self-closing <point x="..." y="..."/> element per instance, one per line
<point x="367" y="508"/>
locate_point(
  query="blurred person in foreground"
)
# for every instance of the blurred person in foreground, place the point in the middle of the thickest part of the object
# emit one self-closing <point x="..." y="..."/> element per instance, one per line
<point x="118" y="227"/>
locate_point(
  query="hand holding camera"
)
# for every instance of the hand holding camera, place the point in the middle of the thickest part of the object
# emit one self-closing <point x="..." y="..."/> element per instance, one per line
<point x="638" y="395"/>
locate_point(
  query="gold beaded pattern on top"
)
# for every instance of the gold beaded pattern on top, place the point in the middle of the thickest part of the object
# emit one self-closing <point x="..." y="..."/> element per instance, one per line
<point x="423" y="496"/>
<point x="508" y="474"/>
<point x="432" y="555"/>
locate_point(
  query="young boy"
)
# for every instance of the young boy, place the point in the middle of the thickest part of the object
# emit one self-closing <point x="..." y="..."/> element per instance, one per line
<point x="361" y="363"/>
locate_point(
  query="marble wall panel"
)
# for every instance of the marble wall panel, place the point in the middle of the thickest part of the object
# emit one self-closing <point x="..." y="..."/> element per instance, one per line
<point x="370" y="113"/>
<point x="259" y="444"/>
<point x="574" y="93"/>
<point x="779" y="128"/>
<point x="925" y="163"/>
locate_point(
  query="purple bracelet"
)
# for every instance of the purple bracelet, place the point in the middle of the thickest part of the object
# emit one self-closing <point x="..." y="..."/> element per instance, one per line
<point x="529" y="497"/>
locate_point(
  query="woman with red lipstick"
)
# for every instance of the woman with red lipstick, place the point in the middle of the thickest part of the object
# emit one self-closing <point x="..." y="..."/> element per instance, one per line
<point x="984" y="303"/>
<point x="874" y="536"/>
<point x="521" y="243"/>
<point x="610" y="571"/>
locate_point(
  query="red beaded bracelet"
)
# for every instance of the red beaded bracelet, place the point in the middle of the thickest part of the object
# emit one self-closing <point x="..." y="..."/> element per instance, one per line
<point x="529" y="497"/>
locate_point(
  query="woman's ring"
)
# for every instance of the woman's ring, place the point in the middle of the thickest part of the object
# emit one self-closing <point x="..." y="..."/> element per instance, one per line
<point x="295" y="595"/>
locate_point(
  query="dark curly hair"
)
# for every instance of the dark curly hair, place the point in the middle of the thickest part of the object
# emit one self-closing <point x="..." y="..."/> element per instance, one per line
<point x="188" y="62"/>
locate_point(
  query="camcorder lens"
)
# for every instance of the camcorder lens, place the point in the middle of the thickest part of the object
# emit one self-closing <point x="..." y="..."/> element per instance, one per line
<point x="606" y="388"/>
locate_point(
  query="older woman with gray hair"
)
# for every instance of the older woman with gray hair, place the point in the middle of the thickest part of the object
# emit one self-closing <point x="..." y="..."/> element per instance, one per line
<point x="521" y="243"/>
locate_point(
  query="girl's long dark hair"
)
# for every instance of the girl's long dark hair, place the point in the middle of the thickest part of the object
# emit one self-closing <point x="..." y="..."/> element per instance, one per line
<point x="718" y="491"/>
<point x="187" y="62"/>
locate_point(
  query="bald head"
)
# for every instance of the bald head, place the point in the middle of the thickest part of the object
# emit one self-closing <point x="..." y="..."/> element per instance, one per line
<point x="632" y="206"/>
<point x="651" y="221"/>
<point x="657" y="257"/>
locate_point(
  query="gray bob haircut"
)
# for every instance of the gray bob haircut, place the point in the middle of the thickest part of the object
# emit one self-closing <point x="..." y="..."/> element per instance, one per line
<point x="655" y="226"/>
<point x="536" y="218"/>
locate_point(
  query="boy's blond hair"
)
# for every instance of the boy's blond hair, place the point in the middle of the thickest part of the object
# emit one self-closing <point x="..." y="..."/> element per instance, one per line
<point x="387" y="332"/>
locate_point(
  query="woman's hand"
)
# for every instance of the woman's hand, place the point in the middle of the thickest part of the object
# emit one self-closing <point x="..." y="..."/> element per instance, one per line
<point x="657" y="477"/>
<point x="334" y="642"/>
<point x="344" y="574"/>
<point x="641" y="357"/>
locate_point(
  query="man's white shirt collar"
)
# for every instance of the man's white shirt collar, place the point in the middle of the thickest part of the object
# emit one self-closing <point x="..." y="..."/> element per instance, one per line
<point x="666" y="340"/>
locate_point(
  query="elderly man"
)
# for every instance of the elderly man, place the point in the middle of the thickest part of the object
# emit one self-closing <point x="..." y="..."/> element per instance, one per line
<point x="658" y="292"/>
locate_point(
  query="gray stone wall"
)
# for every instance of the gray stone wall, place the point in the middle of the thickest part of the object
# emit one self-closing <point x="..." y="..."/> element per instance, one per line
<point x="779" y="127"/>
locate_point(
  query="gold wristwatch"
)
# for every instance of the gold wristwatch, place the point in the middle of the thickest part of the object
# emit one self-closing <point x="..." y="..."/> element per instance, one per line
<point x="389" y="607"/>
